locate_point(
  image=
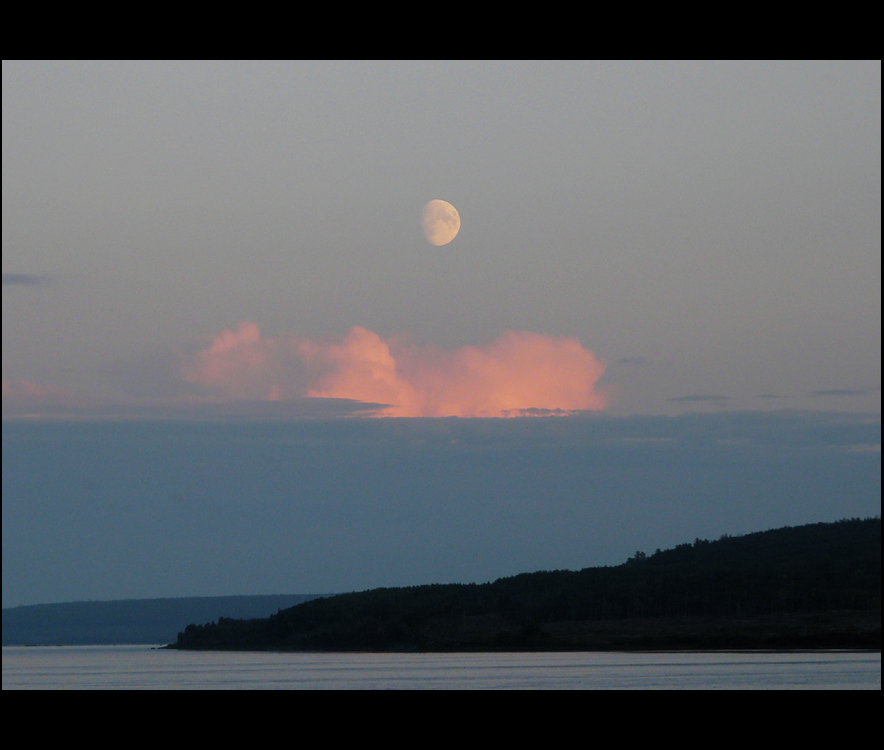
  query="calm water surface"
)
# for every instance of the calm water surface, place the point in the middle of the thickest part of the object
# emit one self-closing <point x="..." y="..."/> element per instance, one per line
<point x="141" y="667"/>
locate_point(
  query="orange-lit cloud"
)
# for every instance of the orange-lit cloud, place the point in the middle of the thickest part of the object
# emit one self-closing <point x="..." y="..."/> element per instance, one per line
<point x="520" y="373"/>
<point x="242" y="364"/>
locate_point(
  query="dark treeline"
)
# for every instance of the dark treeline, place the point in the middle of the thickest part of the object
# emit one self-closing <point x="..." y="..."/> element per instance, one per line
<point x="814" y="586"/>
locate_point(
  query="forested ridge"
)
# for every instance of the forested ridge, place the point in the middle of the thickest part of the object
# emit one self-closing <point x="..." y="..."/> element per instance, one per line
<point x="813" y="586"/>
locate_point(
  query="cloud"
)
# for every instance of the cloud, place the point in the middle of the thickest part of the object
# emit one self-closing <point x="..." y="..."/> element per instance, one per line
<point x="840" y="392"/>
<point x="699" y="397"/>
<point x="518" y="374"/>
<point x="30" y="401"/>
<point x="26" y="279"/>
<point x="23" y="398"/>
<point x="242" y="364"/>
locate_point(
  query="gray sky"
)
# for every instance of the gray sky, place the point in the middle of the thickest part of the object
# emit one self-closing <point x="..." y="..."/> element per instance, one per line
<point x="710" y="232"/>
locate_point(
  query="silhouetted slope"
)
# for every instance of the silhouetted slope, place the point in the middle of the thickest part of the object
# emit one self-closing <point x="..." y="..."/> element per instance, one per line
<point x="815" y="586"/>
<point x="129" y="620"/>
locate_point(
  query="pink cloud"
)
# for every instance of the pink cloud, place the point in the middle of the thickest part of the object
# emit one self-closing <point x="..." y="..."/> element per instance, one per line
<point x="244" y="365"/>
<point x="518" y="373"/>
<point x="362" y="368"/>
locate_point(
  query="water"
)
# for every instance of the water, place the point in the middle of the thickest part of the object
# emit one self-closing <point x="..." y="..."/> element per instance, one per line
<point x="141" y="667"/>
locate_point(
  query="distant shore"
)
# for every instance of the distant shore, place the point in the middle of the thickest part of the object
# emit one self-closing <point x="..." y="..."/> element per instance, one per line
<point x="839" y="630"/>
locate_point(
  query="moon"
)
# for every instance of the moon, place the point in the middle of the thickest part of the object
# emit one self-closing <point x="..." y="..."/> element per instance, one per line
<point x="440" y="221"/>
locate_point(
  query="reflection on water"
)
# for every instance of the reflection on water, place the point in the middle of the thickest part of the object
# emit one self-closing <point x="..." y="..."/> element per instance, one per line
<point x="141" y="667"/>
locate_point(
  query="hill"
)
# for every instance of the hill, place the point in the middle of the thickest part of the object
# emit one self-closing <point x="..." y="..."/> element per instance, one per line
<point x="814" y="586"/>
<point x="129" y="621"/>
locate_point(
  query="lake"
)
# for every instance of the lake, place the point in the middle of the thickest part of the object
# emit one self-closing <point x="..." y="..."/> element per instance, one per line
<point x="146" y="668"/>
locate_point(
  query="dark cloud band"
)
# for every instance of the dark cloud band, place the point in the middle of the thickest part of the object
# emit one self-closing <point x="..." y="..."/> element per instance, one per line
<point x="840" y="392"/>
<point x="25" y="279"/>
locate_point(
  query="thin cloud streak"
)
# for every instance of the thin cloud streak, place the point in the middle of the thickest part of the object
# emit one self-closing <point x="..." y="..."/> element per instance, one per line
<point x="24" y="400"/>
<point x="699" y="398"/>
<point x="840" y="392"/>
<point x="26" y="279"/>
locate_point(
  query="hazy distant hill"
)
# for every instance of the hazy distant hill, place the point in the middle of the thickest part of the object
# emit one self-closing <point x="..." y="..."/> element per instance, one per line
<point x="814" y="586"/>
<point x="130" y="620"/>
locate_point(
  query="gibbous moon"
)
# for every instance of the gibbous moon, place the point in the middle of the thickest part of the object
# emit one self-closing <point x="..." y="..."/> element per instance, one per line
<point x="441" y="222"/>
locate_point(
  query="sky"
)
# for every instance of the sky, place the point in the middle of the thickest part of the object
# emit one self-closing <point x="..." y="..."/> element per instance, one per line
<point x="223" y="243"/>
<point x="709" y="231"/>
<point x="115" y="509"/>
